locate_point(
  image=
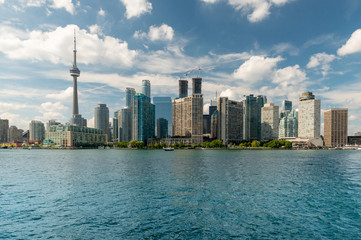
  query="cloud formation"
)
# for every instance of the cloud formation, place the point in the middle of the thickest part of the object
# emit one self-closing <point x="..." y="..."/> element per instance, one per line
<point x="136" y="8"/>
<point x="257" y="68"/>
<point x="322" y="60"/>
<point x="353" y="44"/>
<point x="256" y="10"/>
<point x="161" y="33"/>
<point x="56" y="46"/>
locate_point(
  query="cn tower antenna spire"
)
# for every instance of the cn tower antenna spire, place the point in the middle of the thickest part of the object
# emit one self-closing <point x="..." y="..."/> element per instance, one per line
<point x="74" y="40"/>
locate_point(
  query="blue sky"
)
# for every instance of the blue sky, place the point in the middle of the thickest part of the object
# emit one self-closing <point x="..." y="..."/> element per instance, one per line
<point x="278" y="48"/>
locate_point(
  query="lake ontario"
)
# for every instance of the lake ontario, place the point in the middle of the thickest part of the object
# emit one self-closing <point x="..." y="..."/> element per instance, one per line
<point x="185" y="194"/>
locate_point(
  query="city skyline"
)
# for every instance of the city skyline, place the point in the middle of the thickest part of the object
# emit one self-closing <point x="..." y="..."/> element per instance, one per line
<point x="274" y="52"/>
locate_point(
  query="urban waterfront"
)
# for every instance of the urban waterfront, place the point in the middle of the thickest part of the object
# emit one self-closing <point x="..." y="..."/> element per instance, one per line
<point x="185" y="194"/>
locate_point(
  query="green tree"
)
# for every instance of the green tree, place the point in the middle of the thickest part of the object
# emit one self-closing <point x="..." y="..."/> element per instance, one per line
<point x="255" y="144"/>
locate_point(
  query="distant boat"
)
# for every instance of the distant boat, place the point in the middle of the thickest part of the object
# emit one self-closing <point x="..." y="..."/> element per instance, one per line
<point x="359" y="149"/>
<point x="168" y="149"/>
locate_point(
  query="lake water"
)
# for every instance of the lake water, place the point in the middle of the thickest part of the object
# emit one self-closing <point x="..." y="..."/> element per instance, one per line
<point x="185" y="194"/>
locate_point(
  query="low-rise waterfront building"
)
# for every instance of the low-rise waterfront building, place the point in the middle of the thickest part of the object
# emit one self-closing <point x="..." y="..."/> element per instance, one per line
<point x="73" y="136"/>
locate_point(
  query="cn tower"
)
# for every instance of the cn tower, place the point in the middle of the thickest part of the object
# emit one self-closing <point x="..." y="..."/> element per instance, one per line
<point x="76" y="118"/>
<point x="75" y="73"/>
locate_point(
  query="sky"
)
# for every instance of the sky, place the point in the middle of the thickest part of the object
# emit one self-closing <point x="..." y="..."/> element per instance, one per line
<point x="276" y="48"/>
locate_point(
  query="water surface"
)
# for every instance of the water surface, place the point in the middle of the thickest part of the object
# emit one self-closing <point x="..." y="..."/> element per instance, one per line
<point x="185" y="194"/>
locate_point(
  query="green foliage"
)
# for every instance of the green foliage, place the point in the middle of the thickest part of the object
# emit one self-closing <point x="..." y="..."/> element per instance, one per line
<point x="216" y="144"/>
<point x="255" y="144"/>
<point x="278" y="143"/>
<point x="123" y="144"/>
<point x="245" y="144"/>
<point x="133" y="143"/>
<point x="110" y="144"/>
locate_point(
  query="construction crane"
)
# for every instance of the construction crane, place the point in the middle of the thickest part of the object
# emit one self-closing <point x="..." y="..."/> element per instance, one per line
<point x="199" y="70"/>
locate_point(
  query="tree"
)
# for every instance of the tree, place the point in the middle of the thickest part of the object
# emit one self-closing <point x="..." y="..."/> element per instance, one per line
<point x="255" y="144"/>
<point x="133" y="143"/>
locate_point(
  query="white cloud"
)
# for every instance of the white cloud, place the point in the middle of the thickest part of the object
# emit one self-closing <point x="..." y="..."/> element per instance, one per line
<point x="66" y="4"/>
<point x="257" y="68"/>
<point x="95" y="29"/>
<point x="323" y="60"/>
<point x="291" y="75"/>
<point x="35" y="3"/>
<point x="51" y="111"/>
<point x="101" y="12"/>
<point x="231" y="94"/>
<point x="163" y="32"/>
<point x="63" y="95"/>
<point x="135" y="8"/>
<point x="2" y="1"/>
<point x="256" y="10"/>
<point x="56" y="46"/>
<point x="353" y="44"/>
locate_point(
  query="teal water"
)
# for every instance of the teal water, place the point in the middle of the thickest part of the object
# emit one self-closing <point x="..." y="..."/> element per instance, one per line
<point x="195" y="194"/>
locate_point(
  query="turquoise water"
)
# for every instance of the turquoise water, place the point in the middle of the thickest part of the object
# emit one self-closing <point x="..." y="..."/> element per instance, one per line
<point x="185" y="194"/>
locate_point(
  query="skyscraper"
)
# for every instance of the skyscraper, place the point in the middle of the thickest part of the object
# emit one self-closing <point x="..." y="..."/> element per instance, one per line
<point x="188" y="115"/>
<point x="146" y="88"/>
<point x="288" y="126"/>
<point x="183" y="88"/>
<point x="286" y="105"/>
<point x="4" y="130"/>
<point x="101" y="119"/>
<point x="143" y="118"/>
<point x="162" y="127"/>
<point x="230" y="120"/>
<point x="129" y="96"/>
<point x="197" y="85"/>
<point x="76" y="118"/>
<point x="125" y="122"/>
<point x="269" y="121"/>
<point x="252" y="117"/>
<point x="309" y="116"/>
<point x="336" y="123"/>
<point x="36" y="131"/>
<point x="115" y="133"/>
<point x="163" y="109"/>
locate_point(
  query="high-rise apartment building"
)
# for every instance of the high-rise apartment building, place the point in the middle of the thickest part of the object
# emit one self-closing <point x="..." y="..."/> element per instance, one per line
<point x="289" y="125"/>
<point x="335" y="126"/>
<point x="15" y="134"/>
<point x="163" y="109"/>
<point x="188" y="117"/>
<point x="309" y="116"/>
<point x="183" y="88"/>
<point x="269" y="121"/>
<point x="4" y="130"/>
<point x="101" y="119"/>
<point x="162" y="128"/>
<point x="230" y="120"/>
<point x="129" y="96"/>
<point x="115" y="131"/>
<point x="143" y="118"/>
<point x="76" y="118"/>
<point x="36" y="131"/>
<point x="252" y="117"/>
<point x="125" y="129"/>
<point x="146" y="88"/>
